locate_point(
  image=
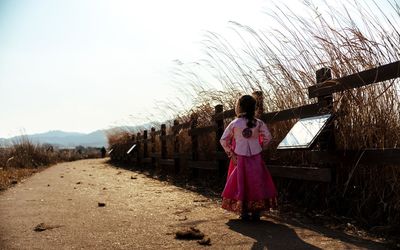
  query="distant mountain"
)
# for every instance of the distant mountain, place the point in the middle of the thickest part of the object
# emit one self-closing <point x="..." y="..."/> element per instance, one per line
<point x="64" y="139"/>
<point x="3" y="141"/>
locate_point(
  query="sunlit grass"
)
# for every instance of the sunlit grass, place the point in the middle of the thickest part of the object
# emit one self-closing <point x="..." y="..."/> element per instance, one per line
<point x="23" y="158"/>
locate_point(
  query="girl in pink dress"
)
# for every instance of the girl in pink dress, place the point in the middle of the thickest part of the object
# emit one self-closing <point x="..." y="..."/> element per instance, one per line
<point x="249" y="188"/>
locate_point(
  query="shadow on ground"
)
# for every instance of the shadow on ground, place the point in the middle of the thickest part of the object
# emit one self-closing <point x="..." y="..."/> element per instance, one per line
<point x="273" y="236"/>
<point x="269" y="235"/>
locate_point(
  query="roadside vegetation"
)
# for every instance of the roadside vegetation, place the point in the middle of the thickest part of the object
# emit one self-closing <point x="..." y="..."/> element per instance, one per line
<point x="24" y="158"/>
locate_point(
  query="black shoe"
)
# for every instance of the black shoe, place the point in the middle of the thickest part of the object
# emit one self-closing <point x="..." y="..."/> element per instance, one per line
<point x="245" y="217"/>
<point x="255" y="216"/>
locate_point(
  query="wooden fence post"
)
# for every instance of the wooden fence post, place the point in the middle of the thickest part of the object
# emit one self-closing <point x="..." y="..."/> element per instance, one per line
<point x="218" y="133"/>
<point x="129" y="157"/>
<point x="163" y="139"/>
<point x="176" y="147"/>
<point x="153" y="145"/>
<point x="195" y="143"/>
<point x="138" y="156"/>
<point x="326" y="139"/>
<point x="145" y="152"/>
<point x="258" y="95"/>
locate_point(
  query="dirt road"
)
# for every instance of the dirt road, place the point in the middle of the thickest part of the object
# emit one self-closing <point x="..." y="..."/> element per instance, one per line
<point x="139" y="213"/>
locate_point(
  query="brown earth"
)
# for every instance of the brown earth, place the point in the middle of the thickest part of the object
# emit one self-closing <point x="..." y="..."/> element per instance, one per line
<point x="139" y="213"/>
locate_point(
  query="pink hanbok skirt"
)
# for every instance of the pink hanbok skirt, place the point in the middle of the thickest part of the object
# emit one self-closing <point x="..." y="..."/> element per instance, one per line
<point x="249" y="186"/>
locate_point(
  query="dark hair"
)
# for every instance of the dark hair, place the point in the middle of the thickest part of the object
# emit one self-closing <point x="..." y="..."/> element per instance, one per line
<point x="247" y="105"/>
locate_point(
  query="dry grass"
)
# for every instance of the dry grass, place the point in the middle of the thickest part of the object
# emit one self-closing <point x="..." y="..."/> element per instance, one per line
<point x="24" y="158"/>
<point x="11" y="176"/>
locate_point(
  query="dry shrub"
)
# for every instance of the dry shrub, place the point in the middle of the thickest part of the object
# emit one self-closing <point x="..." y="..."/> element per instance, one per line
<point x="24" y="154"/>
<point x="11" y="175"/>
<point x="120" y="142"/>
<point x="24" y="158"/>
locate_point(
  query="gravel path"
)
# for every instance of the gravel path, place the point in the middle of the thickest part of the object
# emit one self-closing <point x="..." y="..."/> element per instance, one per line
<point x="139" y="213"/>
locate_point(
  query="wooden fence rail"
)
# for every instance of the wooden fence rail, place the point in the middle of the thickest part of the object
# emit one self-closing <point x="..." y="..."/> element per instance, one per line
<point x="375" y="75"/>
<point x="327" y="153"/>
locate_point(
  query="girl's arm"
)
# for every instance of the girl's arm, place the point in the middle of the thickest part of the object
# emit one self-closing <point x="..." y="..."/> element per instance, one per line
<point x="226" y="140"/>
<point x="265" y="135"/>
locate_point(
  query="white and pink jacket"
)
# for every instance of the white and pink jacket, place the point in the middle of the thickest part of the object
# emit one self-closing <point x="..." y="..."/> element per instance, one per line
<point x="247" y="141"/>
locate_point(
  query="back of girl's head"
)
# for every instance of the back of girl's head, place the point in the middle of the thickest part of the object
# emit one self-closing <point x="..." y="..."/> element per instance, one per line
<point x="246" y="107"/>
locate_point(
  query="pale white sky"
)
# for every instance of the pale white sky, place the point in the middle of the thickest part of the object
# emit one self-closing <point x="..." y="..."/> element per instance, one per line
<point x="83" y="65"/>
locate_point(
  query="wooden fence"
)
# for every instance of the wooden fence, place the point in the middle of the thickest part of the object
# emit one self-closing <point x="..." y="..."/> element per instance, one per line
<point x="323" y="159"/>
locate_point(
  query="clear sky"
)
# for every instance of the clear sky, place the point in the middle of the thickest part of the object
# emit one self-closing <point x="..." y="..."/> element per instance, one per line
<point x="83" y="65"/>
